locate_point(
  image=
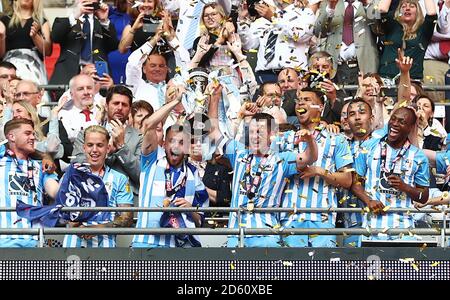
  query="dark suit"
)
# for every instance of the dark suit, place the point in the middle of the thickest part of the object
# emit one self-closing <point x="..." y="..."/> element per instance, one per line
<point x="71" y="41"/>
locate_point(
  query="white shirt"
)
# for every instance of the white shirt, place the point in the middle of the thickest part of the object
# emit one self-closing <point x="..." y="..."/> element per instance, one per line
<point x="74" y="121"/>
<point x="185" y="15"/>
<point x="295" y="30"/>
<point x="346" y="52"/>
<point x="441" y="32"/>
<point x="143" y="90"/>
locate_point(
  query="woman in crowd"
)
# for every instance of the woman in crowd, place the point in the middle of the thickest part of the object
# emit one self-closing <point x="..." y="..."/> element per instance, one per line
<point x="408" y="28"/>
<point x="25" y="39"/>
<point x="135" y="34"/>
<point x="47" y="135"/>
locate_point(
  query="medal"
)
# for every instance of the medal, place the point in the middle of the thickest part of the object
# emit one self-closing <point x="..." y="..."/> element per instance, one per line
<point x="250" y="206"/>
<point x="166" y="202"/>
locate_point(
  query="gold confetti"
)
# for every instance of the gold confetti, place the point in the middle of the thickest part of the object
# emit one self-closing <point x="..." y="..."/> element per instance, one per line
<point x="386" y="208"/>
<point x="435" y="264"/>
<point x="288" y="191"/>
<point x="253" y="50"/>
<point x="287" y="263"/>
<point x="313" y="236"/>
<point x="232" y="267"/>
<point x="415" y="267"/>
<point x="362" y="130"/>
<point x="301" y="110"/>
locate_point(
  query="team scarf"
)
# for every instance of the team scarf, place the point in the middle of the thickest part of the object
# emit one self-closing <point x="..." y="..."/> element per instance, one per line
<point x="79" y="188"/>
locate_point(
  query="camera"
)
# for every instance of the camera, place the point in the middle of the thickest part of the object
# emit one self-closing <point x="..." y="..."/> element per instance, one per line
<point x="151" y="24"/>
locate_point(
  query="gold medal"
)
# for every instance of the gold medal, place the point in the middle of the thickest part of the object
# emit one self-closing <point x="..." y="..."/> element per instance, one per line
<point x="250" y="206"/>
<point x="166" y="202"/>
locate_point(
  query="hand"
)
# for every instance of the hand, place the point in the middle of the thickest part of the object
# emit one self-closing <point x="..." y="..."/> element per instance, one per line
<point x="57" y="108"/>
<point x="333" y="128"/>
<point x="404" y="63"/>
<point x="48" y="165"/>
<point x="83" y="7"/>
<point x="248" y="109"/>
<point x="265" y="11"/>
<point x="420" y="205"/>
<point x="156" y="37"/>
<point x="235" y="46"/>
<point x="139" y="22"/>
<point x="396" y="182"/>
<point x="203" y="46"/>
<point x="229" y="26"/>
<point x="376" y="207"/>
<point x="223" y="37"/>
<point x="310" y="171"/>
<point x="174" y="92"/>
<point x="243" y="11"/>
<point x="105" y="82"/>
<point x="214" y="90"/>
<point x="118" y="133"/>
<point x="329" y="88"/>
<point x="263" y="101"/>
<point x="332" y="3"/>
<point x="168" y="30"/>
<point x="103" y="12"/>
<point x="181" y="202"/>
<point x="303" y="135"/>
<point x="2" y="30"/>
<point x="35" y="28"/>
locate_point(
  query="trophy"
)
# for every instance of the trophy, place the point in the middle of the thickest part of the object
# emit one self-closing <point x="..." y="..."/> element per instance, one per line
<point x="198" y="120"/>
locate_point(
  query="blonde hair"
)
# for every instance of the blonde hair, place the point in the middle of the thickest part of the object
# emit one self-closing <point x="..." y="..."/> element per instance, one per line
<point x="37" y="15"/>
<point x="97" y="129"/>
<point x="219" y="9"/>
<point x="34" y="118"/>
<point x="134" y="12"/>
<point x="410" y="33"/>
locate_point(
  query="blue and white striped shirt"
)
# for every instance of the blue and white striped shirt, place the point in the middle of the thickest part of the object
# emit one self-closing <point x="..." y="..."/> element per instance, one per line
<point x="153" y="191"/>
<point x="333" y="154"/>
<point x="13" y="180"/>
<point x="413" y="168"/>
<point x="119" y="192"/>
<point x="277" y="167"/>
<point x="346" y="199"/>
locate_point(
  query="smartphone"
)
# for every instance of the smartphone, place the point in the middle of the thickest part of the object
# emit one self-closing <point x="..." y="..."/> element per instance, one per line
<point x="101" y="67"/>
<point x="150" y="24"/>
<point x="95" y="5"/>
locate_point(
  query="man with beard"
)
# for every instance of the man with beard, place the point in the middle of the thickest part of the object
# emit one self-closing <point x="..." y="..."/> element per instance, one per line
<point x="125" y="143"/>
<point x="259" y="172"/>
<point x="314" y="186"/>
<point x="391" y="172"/>
<point x="168" y="179"/>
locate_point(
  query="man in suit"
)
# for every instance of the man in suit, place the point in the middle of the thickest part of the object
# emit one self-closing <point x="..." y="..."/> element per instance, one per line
<point x="85" y="36"/>
<point x="125" y="144"/>
<point x="343" y="27"/>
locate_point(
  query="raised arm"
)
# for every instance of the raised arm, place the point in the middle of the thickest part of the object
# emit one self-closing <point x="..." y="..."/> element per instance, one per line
<point x="150" y="138"/>
<point x="215" y="91"/>
<point x="404" y="63"/>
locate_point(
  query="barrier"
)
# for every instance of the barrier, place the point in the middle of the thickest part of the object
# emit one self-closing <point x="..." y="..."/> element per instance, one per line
<point x="241" y="231"/>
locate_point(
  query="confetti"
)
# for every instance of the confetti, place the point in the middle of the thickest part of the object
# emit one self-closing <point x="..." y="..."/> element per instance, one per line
<point x="287" y="264"/>
<point x="435" y="264"/>
<point x="386" y="208"/>
<point x="288" y="191"/>
<point x="232" y="267"/>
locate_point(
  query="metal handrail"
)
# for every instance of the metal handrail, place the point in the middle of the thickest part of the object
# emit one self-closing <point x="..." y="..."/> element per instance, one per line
<point x="223" y="231"/>
<point x="243" y="209"/>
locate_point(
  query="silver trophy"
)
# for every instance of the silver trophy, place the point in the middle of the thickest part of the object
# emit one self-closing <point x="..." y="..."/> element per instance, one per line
<point x="198" y="120"/>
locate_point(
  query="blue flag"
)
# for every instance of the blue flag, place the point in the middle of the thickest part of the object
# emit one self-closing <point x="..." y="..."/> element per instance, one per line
<point x="78" y="188"/>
